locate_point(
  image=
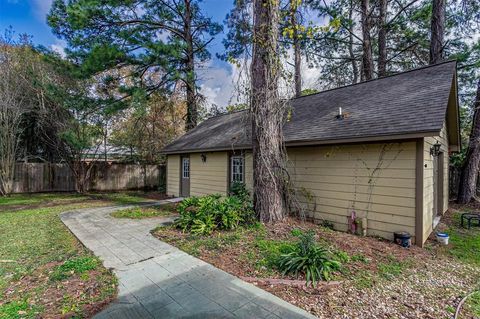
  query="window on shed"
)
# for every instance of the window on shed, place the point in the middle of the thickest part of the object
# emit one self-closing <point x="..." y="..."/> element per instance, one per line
<point x="186" y="167"/>
<point x="237" y="169"/>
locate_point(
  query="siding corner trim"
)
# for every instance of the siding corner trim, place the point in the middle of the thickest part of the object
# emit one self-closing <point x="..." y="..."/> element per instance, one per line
<point x="419" y="160"/>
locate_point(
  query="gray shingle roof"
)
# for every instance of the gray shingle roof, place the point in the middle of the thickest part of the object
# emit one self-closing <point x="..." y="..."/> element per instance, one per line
<point x="413" y="102"/>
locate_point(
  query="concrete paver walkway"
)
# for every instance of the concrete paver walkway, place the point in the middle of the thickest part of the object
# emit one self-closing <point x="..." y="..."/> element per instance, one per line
<point x="157" y="280"/>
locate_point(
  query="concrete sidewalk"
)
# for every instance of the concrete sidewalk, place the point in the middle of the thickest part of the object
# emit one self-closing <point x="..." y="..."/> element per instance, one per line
<point x="157" y="280"/>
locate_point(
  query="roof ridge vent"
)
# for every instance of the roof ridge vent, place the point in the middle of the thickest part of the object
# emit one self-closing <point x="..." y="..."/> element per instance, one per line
<point x="341" y="115"/>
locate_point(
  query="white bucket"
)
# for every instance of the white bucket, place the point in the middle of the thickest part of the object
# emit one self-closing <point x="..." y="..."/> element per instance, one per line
<point x="443" y="238"/>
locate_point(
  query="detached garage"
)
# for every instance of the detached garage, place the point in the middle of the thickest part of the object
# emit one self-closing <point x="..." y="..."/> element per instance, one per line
<point x="379" y="148"/>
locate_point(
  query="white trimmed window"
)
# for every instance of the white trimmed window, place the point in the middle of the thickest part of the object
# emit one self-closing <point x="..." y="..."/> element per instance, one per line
<point x="186" y="167"/>
<point x="237" y="169"/>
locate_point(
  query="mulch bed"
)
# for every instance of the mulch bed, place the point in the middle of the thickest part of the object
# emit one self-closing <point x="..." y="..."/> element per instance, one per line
<point x="429" y="286"/>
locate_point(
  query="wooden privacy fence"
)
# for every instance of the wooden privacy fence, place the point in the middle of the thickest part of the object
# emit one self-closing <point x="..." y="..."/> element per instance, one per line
<point x="49" y="177"/>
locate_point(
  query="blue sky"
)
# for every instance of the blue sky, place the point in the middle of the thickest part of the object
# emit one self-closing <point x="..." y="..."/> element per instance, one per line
<point x="29" y="16"/>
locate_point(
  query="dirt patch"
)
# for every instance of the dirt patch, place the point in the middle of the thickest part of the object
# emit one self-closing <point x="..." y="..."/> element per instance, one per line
<point x="380" y="280"/>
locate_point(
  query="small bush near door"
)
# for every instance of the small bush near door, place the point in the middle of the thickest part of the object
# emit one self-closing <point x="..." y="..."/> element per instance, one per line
<point x="203" y="215"/>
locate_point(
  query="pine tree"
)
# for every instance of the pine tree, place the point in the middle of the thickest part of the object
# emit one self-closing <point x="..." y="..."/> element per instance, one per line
<point x="158" y="41"/>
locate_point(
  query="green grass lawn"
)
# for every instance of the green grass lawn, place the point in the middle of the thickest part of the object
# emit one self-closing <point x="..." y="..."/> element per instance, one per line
<point x="32" y="199"/>
<point x="464" y="244"/>
<point x="146" y="212"/>
<point x="26" y="200"/>
<point x="123" y="198"/>
<point x="44" y="270"/>
<point x="473" y="303"/>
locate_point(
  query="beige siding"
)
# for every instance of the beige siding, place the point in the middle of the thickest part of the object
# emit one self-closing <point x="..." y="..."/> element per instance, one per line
<point x="375" y="180"/>
<point x="173" y="175"/>
<point x="428" y="179"/>
<point x="209" y="177"/>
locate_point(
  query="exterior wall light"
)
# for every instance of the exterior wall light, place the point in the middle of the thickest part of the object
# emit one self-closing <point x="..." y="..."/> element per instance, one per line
<point x="435" y="149"/>
<point x="204" y="158"/>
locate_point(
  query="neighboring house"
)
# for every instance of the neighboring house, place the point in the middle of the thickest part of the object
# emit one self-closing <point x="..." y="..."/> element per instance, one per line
<point x="110" y="154"/>
<point x="377" y="158"/>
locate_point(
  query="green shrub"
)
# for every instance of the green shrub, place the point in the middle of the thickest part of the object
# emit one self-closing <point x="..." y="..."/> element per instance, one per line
<point x="78" y="265"/>
<point x="308" y="258"/>
<point x="202" y="215"/>
<point x="204" y="225"/>
<point x="239" y="190"/>
<point x="271" y="250"/>
<point x="296" y="232"/>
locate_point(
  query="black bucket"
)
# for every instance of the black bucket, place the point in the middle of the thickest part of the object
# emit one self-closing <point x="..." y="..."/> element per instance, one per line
<point x="402" y="238"/>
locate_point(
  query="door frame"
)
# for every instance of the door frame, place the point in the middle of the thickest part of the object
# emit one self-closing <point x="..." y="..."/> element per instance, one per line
<point x="438" y="192"/>
<point x="181" y="186"/>
<point x="440" y="182"/>
<point x="435" y="175"/>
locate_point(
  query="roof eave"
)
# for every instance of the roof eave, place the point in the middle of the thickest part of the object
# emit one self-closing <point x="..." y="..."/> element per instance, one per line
<point x="212" y="149"/>
<point x="313" y="142"/>
<point x="364" y="139"/>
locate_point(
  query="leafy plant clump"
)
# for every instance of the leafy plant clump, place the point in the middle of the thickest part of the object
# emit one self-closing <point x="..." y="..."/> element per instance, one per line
<point x="202" y="215"/>
<point x="308" y="258"/>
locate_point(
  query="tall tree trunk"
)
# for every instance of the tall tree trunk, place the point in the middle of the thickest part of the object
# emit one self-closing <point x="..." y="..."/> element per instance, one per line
<point x="192" y="111"/>
<point x="350" y="44"/>
<point x="382" y="38"/>
<point x="468" y="178"/>
<point x="296" y="48"/>
<point x="367" y="60"/>
<point x="267" y="114"/>
<point x="437" y="31"/>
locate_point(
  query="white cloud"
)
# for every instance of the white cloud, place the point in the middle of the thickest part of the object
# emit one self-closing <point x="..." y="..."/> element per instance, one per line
<point x="219" y="84"/>
<point x="223" y="84"/>
<point x="59" y="47"/>
<point x="41" y="8"/>
<point x="310" y="76"/>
